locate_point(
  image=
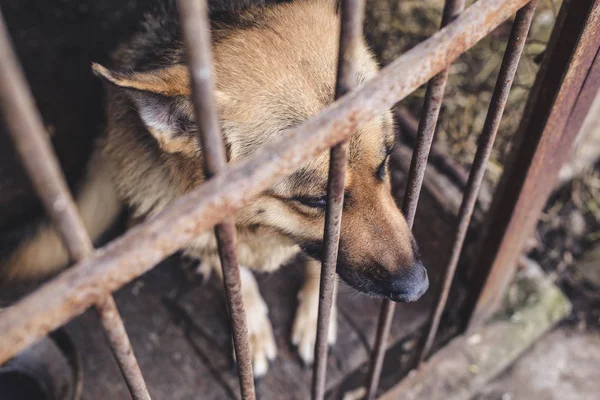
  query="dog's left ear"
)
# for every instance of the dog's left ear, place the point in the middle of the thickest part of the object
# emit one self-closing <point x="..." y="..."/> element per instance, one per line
<point x="161" y="98"/>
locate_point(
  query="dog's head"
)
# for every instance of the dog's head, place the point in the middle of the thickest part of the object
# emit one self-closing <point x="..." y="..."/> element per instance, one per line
<point x="272" y="75"/>
<point x="378" y="254"/>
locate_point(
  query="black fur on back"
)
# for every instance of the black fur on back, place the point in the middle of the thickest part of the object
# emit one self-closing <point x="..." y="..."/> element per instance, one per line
<point x="159" y="42"/>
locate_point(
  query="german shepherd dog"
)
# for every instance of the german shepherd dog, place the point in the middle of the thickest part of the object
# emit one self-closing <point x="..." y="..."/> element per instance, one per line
<point x="275" y="66"/>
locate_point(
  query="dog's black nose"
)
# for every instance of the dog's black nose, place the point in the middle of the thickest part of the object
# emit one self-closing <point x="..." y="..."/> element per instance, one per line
<point x="409" y="284"/>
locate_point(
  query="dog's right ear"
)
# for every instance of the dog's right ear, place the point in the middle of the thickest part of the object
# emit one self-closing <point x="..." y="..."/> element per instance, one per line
<point x="162" y="100"/>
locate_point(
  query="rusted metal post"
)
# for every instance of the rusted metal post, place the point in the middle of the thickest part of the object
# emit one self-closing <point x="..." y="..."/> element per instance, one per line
<point x="142" y="247"/>
<point x="33" y="145"/>
<point x="543" y="145"/>
<point x="508" y="69"/>
<point x="196" y="30"/>
<point x="429" y="117"/>
<point x="351" y="22"/>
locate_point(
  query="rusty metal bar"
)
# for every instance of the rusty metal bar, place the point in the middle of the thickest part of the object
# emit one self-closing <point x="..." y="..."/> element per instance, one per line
<point x="410" y="126"/>
<point x="508" y="69"/>
<point x="543" y="143"/>
<point x="115" y="332"/>
<point x="33" y="145"/>
<point x="31" y="141"/>
<point x="429" y="117"/>
<point x="351" y="32"/>
<point x="196" y="31"/>
<point x="142" y="247"/>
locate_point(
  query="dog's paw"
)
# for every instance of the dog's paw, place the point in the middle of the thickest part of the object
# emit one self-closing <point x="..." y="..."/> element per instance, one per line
<point x="304" y="332"/>
<point x="262" y="345"/>
<point x="263" y="348"/>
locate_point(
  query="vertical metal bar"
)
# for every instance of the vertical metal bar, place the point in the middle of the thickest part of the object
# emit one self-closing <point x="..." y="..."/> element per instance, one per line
<point x="28" y="135"/>
<point x="508" y="69"/>
<point x="427" y="124"/>
<point x="351" y="22"/>
<point x="451" y="168"/>
<point x="194" y="19"/>
<point x="543" y="143"/>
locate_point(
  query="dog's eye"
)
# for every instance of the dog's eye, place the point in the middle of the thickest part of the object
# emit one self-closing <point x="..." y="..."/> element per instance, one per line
<point x="312" y="202"/>
<point x="381" y="169"/>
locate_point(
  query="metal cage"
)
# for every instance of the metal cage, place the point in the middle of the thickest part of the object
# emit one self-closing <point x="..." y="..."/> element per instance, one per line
<point x="562" y="94"/>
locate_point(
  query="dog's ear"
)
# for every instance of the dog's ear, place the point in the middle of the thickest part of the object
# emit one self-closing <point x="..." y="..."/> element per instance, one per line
<point x="162" y="100"/>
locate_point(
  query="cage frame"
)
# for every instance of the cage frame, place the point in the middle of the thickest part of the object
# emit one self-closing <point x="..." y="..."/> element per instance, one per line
<point x="558" y="102"/>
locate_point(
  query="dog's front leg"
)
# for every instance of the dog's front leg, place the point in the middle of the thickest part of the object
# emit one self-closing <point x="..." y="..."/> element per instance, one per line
<point x="304" y="332"/>
<point x="260" y="332"/>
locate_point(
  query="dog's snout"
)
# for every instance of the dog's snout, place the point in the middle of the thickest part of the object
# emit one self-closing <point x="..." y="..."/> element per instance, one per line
<point x="409" y="284"/>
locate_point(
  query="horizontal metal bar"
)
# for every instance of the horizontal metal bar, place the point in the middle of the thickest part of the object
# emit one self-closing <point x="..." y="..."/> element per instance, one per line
<point x="143" y="246"/>
<point x="351" y="32"/>
<point x="425" y="132"/>
<point x="508" y="69"/>
<point x="33" y="145"/>
<point x="196" y="30"/>
<point x="542" y="144"/>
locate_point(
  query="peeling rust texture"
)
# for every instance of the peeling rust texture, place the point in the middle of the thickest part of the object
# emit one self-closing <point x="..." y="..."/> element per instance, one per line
<point x="33" y="145"/>
<point x="429" y="118"/>
<point x="543" y="144"/>
<point x="351" y="32"/>
<point x="142" y="247"/>
<point x="508" y="69"/>
<point x="194" y="20"/>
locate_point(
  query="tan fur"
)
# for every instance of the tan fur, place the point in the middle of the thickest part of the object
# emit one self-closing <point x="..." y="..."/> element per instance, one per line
<point x="172" y="81"/>
<point x="288" y="80"/>
<point x="304" y="331"/>
<point x="45" y="253"/>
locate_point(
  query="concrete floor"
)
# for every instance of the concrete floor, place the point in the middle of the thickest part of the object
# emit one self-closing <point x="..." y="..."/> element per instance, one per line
<point x="563" y="365"/>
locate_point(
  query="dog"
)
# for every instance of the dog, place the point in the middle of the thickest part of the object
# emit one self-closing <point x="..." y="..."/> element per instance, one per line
<point x="275" y="67"/>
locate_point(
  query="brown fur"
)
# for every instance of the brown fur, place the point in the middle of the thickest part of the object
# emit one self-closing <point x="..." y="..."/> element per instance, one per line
<point x="262" y="90"/>
<point x="274" y="69"/>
